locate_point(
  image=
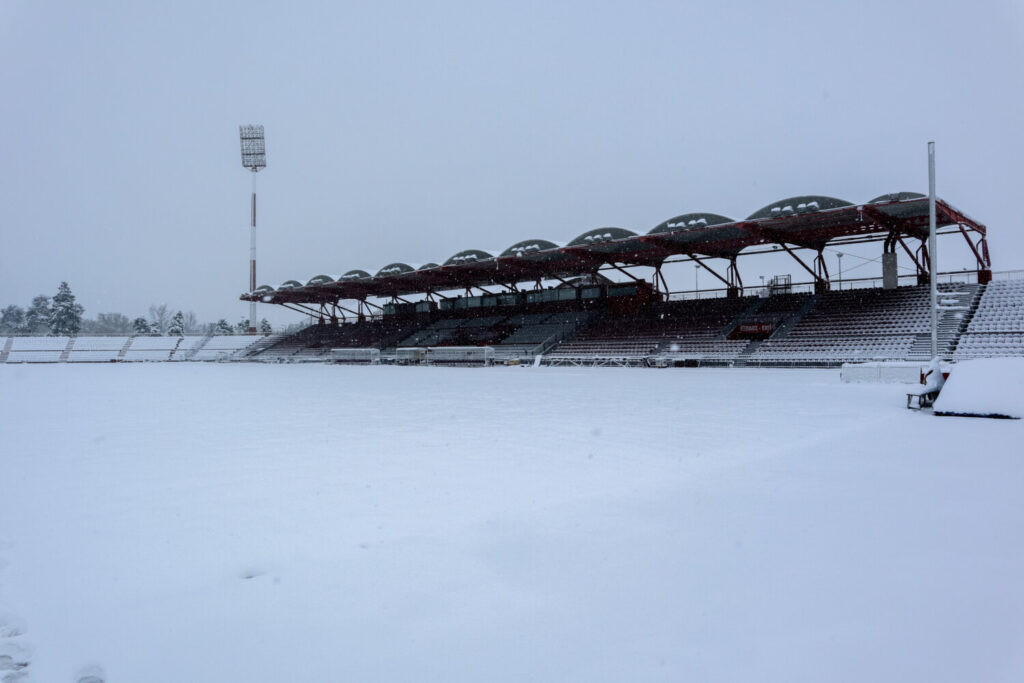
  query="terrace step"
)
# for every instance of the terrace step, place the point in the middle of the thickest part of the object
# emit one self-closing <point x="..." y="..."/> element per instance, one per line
<point x="67" y="350"/>
<point x="124" y="349"/>
<point x="750" y="310"/>
<point x="747" y="352"/>
<point x="782" y="331"/>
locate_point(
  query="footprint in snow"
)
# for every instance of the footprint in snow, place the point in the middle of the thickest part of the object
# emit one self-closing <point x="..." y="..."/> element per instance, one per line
<point x="14" y="660"/>
<point x="15" y="656"/>
<point x="91" y="674"/>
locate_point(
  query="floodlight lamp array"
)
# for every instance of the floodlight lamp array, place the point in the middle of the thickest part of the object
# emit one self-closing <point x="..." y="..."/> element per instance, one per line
<point x="254" y="149"/>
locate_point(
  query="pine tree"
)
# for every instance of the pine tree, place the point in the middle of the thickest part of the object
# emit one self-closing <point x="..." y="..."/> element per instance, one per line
<point x="265" y="327"/>
<point x="242" y="327"/>
<point x="37" y="317"/>
<point x="140" y="326"/>
<point x="12" y="320"/>
<point x="177" y="326"/>
<point x="223" y="327"/>
<point x="66" y="315"/>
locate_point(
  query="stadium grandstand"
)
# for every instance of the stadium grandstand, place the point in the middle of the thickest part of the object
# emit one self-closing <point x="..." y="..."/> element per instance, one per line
<point x="108" y="349"/>
<point x="557" y="303"/>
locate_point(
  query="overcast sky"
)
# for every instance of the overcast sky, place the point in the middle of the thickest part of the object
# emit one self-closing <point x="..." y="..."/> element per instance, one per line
<point x="407" y="131"/>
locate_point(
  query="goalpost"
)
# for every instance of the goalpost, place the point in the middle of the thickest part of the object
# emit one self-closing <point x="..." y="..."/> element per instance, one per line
<point x="461" y="355"/>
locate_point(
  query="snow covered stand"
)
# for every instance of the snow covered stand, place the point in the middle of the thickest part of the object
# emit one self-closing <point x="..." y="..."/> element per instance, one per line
<point x="987" y="387"/>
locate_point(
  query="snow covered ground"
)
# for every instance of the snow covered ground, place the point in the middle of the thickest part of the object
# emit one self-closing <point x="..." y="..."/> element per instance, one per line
<point x="248" y="522"/>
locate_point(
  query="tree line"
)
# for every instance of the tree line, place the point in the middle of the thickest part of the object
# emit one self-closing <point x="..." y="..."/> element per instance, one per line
<point x="60" y="315"/>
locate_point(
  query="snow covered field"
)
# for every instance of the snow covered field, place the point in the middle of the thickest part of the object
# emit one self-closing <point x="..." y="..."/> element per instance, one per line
<point x="211" y="522"/>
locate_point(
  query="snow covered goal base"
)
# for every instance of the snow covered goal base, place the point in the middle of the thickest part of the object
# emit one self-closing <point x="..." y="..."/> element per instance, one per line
<point x="352" y="356"/>
<point x="986" y="387"/>
<point x="460" y="355"/>
<point x="893" y="372"/>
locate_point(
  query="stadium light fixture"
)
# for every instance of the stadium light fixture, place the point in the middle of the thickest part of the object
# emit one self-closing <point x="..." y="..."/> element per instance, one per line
<point x="254" y="158"/>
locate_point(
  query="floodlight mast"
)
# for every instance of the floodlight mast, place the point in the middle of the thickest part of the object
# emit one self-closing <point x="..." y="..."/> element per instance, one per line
<point x="254" y="158"/>
<point x="933" y="255"/>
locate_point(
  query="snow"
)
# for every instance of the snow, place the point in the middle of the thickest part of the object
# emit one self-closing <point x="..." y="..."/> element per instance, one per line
<point x="984" y="387"/>
<point x="259" y="522"/>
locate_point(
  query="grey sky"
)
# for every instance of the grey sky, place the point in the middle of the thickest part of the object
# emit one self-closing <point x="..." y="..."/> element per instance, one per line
<point x="409" y="131"/>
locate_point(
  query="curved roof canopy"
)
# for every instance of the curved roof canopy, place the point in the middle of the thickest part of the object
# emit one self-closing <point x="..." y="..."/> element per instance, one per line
<point x="527" y="247"/>
<point x="320" y="280"/>
<point x="599" y="235"/>
<point x="895" y="197"/>
<point x="690" y="221"/>
<point x="354" y="275"/>
<point x="807" y="222"/>
<point x="427" y="266"/>
<point x="263" y="289"/>
<point x="803" y="204"/>
<point x="394" y="269"/>
<point x="467" y="256"/>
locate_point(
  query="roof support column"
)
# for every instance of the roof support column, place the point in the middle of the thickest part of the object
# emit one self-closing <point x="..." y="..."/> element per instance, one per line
<point x="922" y="271"/>
<point x="984" y="265"/>
<point x="626" y="272"/>
<point x="819" y="283"/>
<point x="708" y="268"/>
<point x="822" y="277"/>
<point x="735" y="281"/>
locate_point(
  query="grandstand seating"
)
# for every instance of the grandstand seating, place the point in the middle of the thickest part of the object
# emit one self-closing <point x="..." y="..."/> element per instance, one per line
<point x="824" y="329"/>
<point x="34" y="356"/>
<point x="151" y="343"/>
<point x="639" y="336"/>
<point x="93" y="356"/>
<point x="39" y="343"/>
<point x="85" y="349"/>
<point x="997" y="327"/>
<point x="862" y="324"/>
<point x="96" y="349"/>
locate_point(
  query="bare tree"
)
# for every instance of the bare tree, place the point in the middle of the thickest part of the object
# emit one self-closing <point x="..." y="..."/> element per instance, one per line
<point x="159" y="318"/>
<point x="113" y="323"/>
<point x="192" y="325"/>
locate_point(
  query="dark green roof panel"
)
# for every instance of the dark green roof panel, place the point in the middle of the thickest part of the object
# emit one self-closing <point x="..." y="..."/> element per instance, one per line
<point x="320" y="280"/>
<point x="896" y="197"/>
<point x="690" y="221"/>
<point x="601" y="235"/>
<point x="527" y="247"/>
<point x="803" y="204"/>
<point x="354" y="275"/>
<point x="467" y="256"/>
<point x="394" y="269"/>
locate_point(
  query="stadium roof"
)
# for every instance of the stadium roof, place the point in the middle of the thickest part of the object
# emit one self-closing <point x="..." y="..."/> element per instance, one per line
<point x="804" y="222"/>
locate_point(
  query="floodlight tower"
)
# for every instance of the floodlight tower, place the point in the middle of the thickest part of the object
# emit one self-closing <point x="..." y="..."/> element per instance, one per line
<point x="933" y="255"/>
<point x="254" y="158"/>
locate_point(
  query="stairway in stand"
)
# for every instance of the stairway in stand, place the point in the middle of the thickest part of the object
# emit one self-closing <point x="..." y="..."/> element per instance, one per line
<point x="67" y="350"/>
